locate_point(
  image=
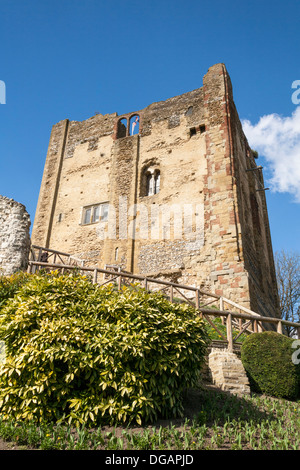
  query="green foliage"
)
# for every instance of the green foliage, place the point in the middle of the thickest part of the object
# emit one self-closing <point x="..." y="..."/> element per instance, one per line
<point x="80" y="354"/>
<point x="214" y="334"/>
<point x="221" y="421"/>
<point x="9" y="285"/>
<point x="267" y="358"/>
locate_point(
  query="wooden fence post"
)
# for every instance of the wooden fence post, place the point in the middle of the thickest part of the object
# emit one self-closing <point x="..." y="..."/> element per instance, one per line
<point x="279" y="327"/>
<point x="197" y="298"/>
<point x="171" y="294"/>
<point x="229" y="332"/>
<point x="222" y="308"/>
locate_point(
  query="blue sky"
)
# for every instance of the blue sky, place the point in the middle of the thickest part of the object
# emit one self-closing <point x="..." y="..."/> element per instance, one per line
<point x="72" y="58"/>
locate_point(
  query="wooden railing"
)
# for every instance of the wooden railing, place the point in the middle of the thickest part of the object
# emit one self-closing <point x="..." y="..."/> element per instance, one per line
<point x="236" y="319"/>
<point x="38" y="253"/>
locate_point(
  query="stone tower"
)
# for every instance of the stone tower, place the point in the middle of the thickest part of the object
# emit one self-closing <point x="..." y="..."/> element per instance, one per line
<point x="172" y="190"/>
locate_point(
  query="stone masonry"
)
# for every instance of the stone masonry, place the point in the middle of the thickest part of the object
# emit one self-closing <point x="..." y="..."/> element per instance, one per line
<point x="227" y="372"/>
<point x="14" y="236"/>
<point x="181" y="196"/>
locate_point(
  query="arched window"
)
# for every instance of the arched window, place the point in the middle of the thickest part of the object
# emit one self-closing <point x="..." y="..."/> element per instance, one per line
<point x="149" y="187"/>
<point x="151" y="182"/>
<point x="134" y="124"/>
<point x="156" y="181"/>
<point x="128" y="126"/>
<point x="122" y="128"/>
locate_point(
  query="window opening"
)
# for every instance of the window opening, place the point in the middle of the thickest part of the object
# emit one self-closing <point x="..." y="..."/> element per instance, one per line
<point x="87" y="216"/>
<point x="156" y="182"/>
<point x="122" y="128"/>
<point x="96" y="213"/>
<point x="152" y="182"/>
<point x="199" y="129"/>
<point x="189" y="111"/>
<point x="149" y="184"/>
<point x="134" y="125"/>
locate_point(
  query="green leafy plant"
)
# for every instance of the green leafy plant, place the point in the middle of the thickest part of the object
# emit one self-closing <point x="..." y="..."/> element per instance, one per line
<point x="250" y="423"/>
<point x="9" y="285"/>
<point x="82" y="354"/>
<point x="267" y="358"/>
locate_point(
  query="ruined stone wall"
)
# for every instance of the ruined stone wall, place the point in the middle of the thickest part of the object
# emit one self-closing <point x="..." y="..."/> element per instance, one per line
<point x="207" y="225"/>
<point x="14" y="236"/>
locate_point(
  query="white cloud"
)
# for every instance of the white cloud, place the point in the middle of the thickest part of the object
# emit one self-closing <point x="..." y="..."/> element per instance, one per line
<point x="277" y="139"/>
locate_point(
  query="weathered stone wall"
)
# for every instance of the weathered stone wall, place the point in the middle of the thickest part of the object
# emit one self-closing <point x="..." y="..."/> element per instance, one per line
<point x="227" y="372"/>
<point x="195" y="141"/>
<point x="14" y="236"/>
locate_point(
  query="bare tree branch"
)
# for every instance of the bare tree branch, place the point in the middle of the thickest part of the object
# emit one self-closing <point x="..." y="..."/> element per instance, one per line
<point x="288" y="281"/>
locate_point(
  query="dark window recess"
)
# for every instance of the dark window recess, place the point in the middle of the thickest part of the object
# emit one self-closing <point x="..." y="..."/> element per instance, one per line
<point x="122" y="128"/>
<point x="199" y="129"/>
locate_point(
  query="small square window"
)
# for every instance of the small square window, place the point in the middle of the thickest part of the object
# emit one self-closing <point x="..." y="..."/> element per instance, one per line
<point x="192" y="131"/>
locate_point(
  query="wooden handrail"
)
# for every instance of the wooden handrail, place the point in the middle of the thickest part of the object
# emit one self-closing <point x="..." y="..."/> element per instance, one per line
<point x="248" y="314"/>
<point x="52" y="252"/>
<point x="122" y="274"/>
<point x="240" y="307"/>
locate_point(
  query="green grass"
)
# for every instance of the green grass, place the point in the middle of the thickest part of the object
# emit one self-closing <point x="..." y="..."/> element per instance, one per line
<point x="220" y="421"/>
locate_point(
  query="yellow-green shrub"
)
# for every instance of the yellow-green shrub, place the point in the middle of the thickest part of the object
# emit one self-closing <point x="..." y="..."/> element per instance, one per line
<point x="82" y="354"/>
<point x="9" y="285"/>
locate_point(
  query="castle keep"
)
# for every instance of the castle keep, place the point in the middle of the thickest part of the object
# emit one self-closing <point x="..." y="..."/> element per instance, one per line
<point x="172" y="191"/>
